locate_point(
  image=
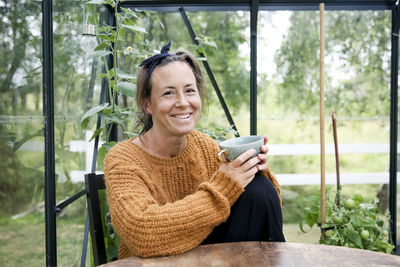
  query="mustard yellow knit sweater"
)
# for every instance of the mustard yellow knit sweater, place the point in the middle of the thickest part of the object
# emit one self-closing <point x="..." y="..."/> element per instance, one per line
<point x="166" y="206"/>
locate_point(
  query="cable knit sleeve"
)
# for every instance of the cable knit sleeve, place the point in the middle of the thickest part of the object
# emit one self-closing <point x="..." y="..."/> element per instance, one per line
<point x="149" y="228"/>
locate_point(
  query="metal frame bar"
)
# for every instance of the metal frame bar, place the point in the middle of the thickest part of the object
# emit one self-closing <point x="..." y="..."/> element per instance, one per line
<point x="234" y="5"/>
<point x="68" y="201"/>
<point x="110" y="62"/>
<point x="253" y="64"/>
<point x="48" y="113"/>
<point x="94" y="183"/>
<point x="227" y="3"/>
<point x="394" y="121"/>
<point x="209" y="72"/>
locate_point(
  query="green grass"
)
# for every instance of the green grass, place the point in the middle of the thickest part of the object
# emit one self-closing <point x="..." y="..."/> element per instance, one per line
<point x="22" y="241"/>
<point x="293" y="234"/>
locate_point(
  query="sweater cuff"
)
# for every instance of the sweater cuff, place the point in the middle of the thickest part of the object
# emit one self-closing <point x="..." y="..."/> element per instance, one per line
<point x="227" y="186"/>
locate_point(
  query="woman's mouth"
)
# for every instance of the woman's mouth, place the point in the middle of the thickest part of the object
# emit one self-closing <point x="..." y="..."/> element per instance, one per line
<point x="182" y="116"/>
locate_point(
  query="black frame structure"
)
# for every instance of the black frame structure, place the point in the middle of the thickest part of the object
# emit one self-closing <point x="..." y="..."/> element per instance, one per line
<point x="49" y="148"/>
<point x="208" y="5"/>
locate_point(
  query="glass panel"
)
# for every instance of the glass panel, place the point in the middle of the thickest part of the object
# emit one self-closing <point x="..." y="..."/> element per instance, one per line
<point x="224" y="39"/>
<point x="226" y="42"/>
<point x="76" y="89"/>
<point x="357" y="71"/>
<point x="21" y="135"/>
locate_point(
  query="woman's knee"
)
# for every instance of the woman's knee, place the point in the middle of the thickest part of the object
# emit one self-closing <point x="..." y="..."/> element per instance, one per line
<point x="261" y="189"/>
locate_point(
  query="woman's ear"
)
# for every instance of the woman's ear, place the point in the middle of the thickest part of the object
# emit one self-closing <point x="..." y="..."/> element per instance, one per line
<point x="147" y="107"/>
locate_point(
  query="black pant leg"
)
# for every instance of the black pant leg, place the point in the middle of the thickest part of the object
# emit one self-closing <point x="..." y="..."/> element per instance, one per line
<point x="255" y="216"/>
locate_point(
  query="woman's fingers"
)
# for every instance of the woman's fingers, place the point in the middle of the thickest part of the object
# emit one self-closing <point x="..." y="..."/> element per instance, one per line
<point x="249" y="175"/>
<point x="262" y="157"/>
<point x="244" y="167"/>
<point x="250" y="163"/>
<point x="264" y="149"/>
<point x="262" y="167"/>
<point x="243" y="157"/>
<point x="265" y="139"/>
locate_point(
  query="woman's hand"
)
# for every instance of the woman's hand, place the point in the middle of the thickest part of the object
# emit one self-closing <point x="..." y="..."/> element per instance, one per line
<point x="262" y="156"/>
<point x="243" y="168"/>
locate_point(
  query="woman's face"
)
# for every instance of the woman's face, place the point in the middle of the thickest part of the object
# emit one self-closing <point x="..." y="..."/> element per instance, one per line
<point x="175" y="103"/>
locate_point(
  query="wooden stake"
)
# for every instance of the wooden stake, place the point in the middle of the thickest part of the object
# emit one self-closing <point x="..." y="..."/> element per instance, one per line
<point x="336" y="157"/>
<point x="322" y="110"/>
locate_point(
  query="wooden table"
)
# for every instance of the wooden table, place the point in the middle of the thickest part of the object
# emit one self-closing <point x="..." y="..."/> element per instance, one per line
<point x="267" y="254"/>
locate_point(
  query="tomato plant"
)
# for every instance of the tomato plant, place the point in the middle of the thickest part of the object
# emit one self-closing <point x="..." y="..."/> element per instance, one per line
<point x="349" y="204"/>
<point x="364" y="234"/>
<point x="351" y="224"/>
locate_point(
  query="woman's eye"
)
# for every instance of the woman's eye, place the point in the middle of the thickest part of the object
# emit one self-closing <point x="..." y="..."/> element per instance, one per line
<point x="191" y="90"/>
<point x="167" y="93"/>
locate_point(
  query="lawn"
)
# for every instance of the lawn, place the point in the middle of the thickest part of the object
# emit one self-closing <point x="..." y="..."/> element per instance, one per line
<point x="22" y="241"/>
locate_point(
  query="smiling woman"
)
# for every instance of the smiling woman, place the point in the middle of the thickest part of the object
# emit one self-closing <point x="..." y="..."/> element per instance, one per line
<point x="174" y="105"/>
<point x="166" y="189"/>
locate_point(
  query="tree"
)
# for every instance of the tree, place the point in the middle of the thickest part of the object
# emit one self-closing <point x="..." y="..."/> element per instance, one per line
<point x="357" y="58"/>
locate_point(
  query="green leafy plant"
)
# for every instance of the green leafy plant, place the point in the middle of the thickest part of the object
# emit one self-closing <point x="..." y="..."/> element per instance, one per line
<point x="219" y="134"/>
<point x="111" y="239"/>
<point x="119" y="82"/>
<point x="352" y="223"/>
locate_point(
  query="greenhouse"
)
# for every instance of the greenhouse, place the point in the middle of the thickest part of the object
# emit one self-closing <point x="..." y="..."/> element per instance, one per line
<point x="319" y="78"/>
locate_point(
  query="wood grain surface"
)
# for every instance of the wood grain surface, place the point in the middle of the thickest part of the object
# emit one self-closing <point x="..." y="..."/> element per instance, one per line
<point x="266" y="254"/>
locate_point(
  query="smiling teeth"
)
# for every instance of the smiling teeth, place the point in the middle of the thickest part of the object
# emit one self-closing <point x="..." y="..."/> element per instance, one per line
<point x="183" y="116"/>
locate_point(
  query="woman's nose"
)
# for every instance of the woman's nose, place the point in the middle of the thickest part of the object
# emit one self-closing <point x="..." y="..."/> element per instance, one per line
<point x="181" y="100"/>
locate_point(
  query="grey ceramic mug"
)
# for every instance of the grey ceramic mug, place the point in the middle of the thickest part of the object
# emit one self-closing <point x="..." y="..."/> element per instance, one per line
<point x="233" y="148"/>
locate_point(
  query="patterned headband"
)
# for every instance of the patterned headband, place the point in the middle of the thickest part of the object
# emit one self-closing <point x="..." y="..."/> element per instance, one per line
<point x="153" y="61"/>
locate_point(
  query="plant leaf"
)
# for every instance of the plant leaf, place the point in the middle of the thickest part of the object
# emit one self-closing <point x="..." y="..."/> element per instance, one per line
<point x="201" y="58"/>
<point x="354" y="237"/>
<point x="131" y="134"/>
<point x="91" y="112"/>
<point x="200" y="50"/>
<point x="102" y="151"/>
<point x="96" y="133"/>
<point x="103" y="75"/>
<point x="125" y="75"/>
<point x="130" y="12"/>
<point x="211" y="43"/>
<point x="99" y="53"/>
<point x="358" y="198"/>
<point x="98" y="2"/>
<point x="101" y="46"/>
<point x="134" y="28"/>
<point x="126" y="88"/>
<point x="324" y="226"/>
<point x="101" y="154"/>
